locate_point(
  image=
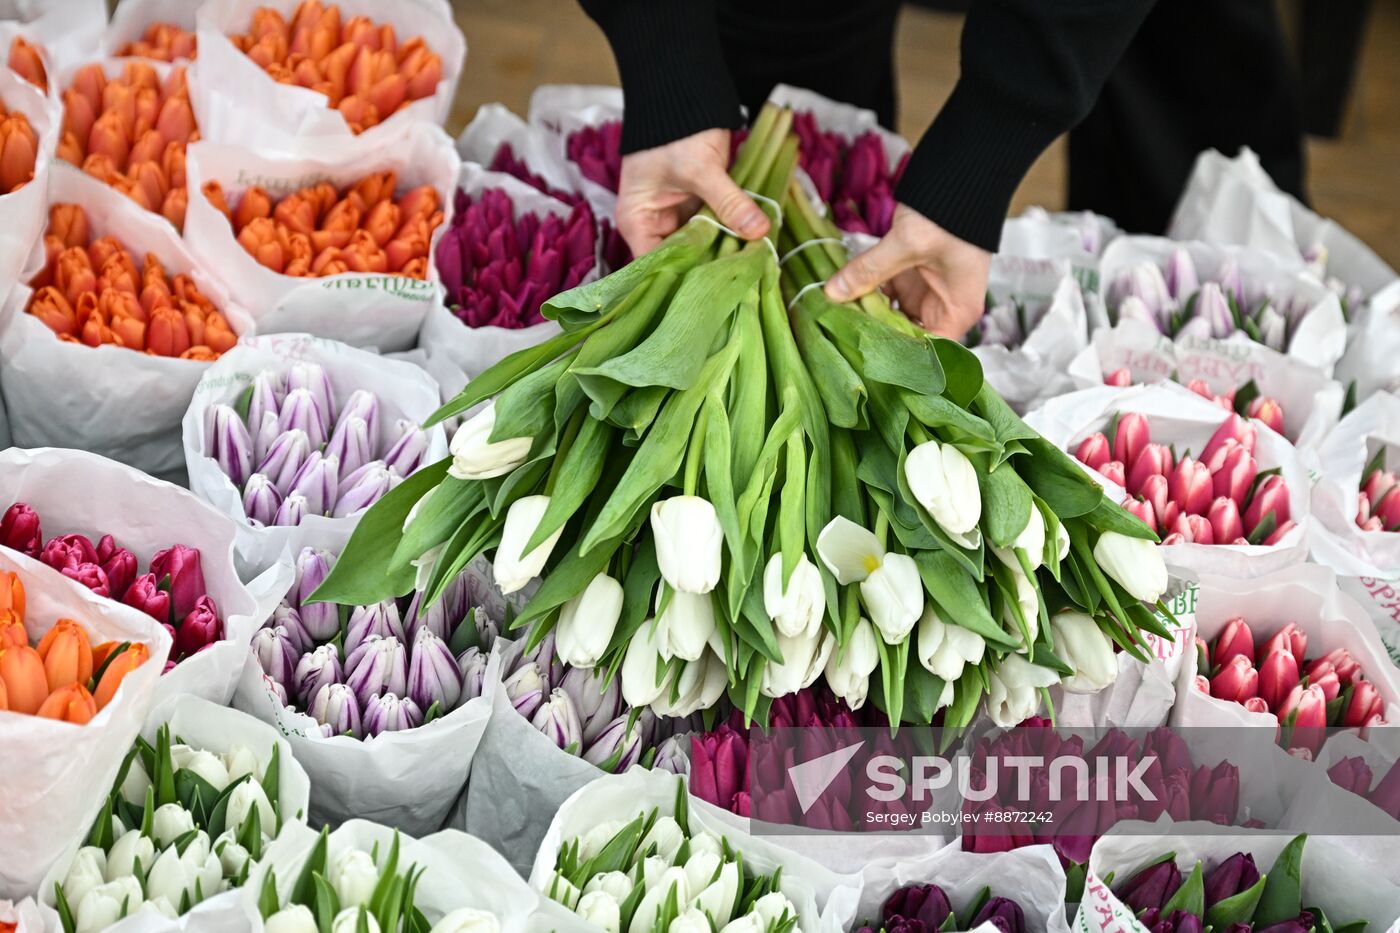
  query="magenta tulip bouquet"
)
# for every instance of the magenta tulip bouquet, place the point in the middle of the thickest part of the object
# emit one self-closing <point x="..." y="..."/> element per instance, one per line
<point x="925" y="908"/>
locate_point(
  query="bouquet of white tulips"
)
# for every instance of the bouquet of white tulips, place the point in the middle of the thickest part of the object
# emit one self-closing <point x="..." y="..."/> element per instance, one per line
<point x="728" y="483"/>
<point x="184" y="822"/>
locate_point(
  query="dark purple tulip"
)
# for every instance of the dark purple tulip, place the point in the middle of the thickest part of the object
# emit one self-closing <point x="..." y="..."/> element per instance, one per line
<point x="1387" y="793"/>
<point x="1236" y="874"/>
<point x="20" y="529"/>
<point x="1215" y="793"/>
<point x="1004" y="913"/>
<point x="118" y="564"/>
<point x="1352" y="774"/>
<point x="1151" y="887"/>
<point x="925" y="903"/>
<point x="1303" y="923"/>
<point x="182" y="566"/>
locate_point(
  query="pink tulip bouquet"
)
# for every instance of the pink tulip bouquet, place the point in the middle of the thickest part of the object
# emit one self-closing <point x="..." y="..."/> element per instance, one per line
<point x="1378" y="504"/>
<point x="1244" y="400"/>
<point x="171" y="591"/>
<point x="1221" y="497"/>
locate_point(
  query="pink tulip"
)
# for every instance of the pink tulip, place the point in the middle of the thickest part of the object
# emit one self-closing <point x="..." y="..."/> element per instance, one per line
<point x="1267" y="410"/>
<point x="1290" y="638"/>
<point x="1169" y="514"/>
<point x="1093" y="451"/>
<point x="1153" y="460"/>
<point x="1234" y="477"/>
<point x="1338" y="660"/>
<point x="181" y="564"/>
<point x="1330" y="683"/>
<point x="1232" y="428"/>
<point x="1113" y="472"/>
<point x="1256" y="705"/>
<point x="1365" y="704"/>
<point x="1155" y="491"/>
<point x="1236" y="680"/>
<point x="1235" y="640"/>
<point x="199" y="629"/>
<point x="1195" y="529"/>
<point x="1378" y="484"/>
<point x="1190" y="486"/>
<point x="1200" y="387"/>
<point x="1307" y="707"/>
<point x="1119" y="377"/>
<point x="1131" y="437"/>
<point x="1173" y="539"/>
<point x="1277" y="676"/>
<point x="1143" y="510"/>
<point x="1224" y="517"/>
<point x="1279" y="533"/>
<point x="1388" y="508"/>
<point x="1203" y="684"/>
<point x="1271" y="496"/>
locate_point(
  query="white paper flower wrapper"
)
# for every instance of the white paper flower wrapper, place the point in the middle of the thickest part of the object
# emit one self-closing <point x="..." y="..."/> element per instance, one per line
<point x="25" y="915"/>
<point x="66" y="32"/>
<point x="362" y="309"/>
<point x="1333" y="877"/>
<point x="460" y="871"/>
<point x="1036" y="369"/>
<point x="1306" y="594"/>
<point x="1235" y="202"/>
<point x="1311" y="402"/>
<point x="145" y="516"/>
<point x="519" y="779"/>
<point x="404" y="392"/>
<point x="203" y="725"/>
<point x="110" y="400"/>
<point x="1374" y="345"/>
<point x="43" y="754"/>
<point x="1031" y="876"/>
<point x="1318" y="335"/>
<point x="238" y="101"/>
<point x="1079" y="237"/>
<point x="476" y="349"/>
<point x="494" y="126"/>
<point x="1325" y="809"/>
<point x="825" y="901"/>
<point x="1179" y="417"/>
<point x="563" y="109"/>
<point x="26" y="209"/>
<point x="1337" y="541"/>
<point x="406" y="779"/>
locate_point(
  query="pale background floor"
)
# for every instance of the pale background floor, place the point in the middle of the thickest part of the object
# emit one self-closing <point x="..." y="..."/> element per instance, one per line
<point x="516" y="45"/>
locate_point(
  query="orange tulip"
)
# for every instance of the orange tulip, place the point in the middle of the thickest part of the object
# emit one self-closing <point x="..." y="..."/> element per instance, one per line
<point x="103" y="249"/>
<point x="416" y="268"/>
<point x="336" y="66"/>
<point x="4" y="706"/>
<point x="194" y="323"/>
<point x="296" y="212"/>
<point x="73" y="273"/>
<point x="123" y="664"/>
<point x="176" y="84"/>
<point x="421" y="201"/>
<point x="18" y="150"/>
<point x="147" y="111"/>
<point x="373" y="188"/>
<point x="109" y="137"/>
<point x="12" y="633"/>
<point x="218" y="335"/>
<point x="129" y="332"/>
<point x="149" y="147"/>
<point x="67" y="654"/>
<point x="139" y="74"/>
<point x="49" y="306"/>
<point x="173" y="161"/>
<point x="214" y="193"/>
<point x="78" y="114"/>
<point x="359" y="113"/>
<point x="388" y="93"/>
<point x="176" y="120"/>
<point x="22" y="670"/>
<point x="118" y="271"/>
<point x="200" y="354"/>
<point x="166" y="332"/>
<point x="69" y="224"/>
<point x="267" y="21"/>
<point x="119" y="102"/>
<point x="85" y="308"/>
<point x="11" y="594"/>
<point x="150" y="180"/>
<point x="115" y="303"/>
<point x="185" y="289"/>
<point x="72" y="704"/>
<point x="382" y="221"/>
<point x="424" y="81"/>
<point x="328" y="262"/>
<point x="162" y="41"/>
<point x="364" y="255"/>
<point x="260" y="239"/>
<point x="255" y="203"/>
<point x="89" y="82"/>
<point x="361" y="31"/>
<point x="96" y="331"/>
<point x="174" y="207"/>
<point x="26" y="61"/>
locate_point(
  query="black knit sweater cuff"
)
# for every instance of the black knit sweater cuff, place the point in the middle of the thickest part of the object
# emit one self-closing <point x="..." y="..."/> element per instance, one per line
<point x="965" y="169"/>
<point x="674" y="79"/>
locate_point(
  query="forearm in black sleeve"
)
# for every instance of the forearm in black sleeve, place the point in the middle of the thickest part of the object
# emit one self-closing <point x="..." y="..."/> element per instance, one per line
<point x="1031" y="69"/>
<point x="674" y="80"/>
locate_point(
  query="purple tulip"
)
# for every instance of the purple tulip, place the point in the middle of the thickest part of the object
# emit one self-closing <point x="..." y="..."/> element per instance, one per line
<point x="350" y="444"/>
<point x="670" y="755"/>
<point x="261" y="500"/>
<point x="389" y="713"/>
<point x="1213" y="308"/>
<point x="265" y="433"/>
<point x="369" y="489"/>
<point x="1352" y="774"/>
<point x="200" y="629"/>
<point x="925" y="903"/>
<point x="313" y="379"/>
<point x="288" y="618"/>
<point x="276" y="689"/>
<point x="1303" y="923"/>
<point x="472" y="664"/>
<point x="227" y="442"/>
<point x="1003" y="913"/>
<point x="337" y="710"/>
<point x="146" y="595"/>
<point x="285" y="457"/>
<point x="407" y="453"/>
<point x="547" y="660"/>
<point x="91" y="576"/>
<point x="1215" y="793"/>
<point x="317" y="668"/>
<point x="291" y="511"/>
<point x="264" y="398"/>
<point x="381" y="619"/>
<point x="364" y="405"/>
<point x="318" y="481"/>
<point x="1151" y="887"/>
<point x="558" y="720"/>
<point x="437" y="618"/>
<point x="1230" y="281"/>
<point x="322" y="619"/>
<point x="377" y="665"/>
<point x="1182" y="281"/>
<point x="118" y="564"/>
<point x="276" y="654"/>
<point x="20" y="529"/>
<point x="598" y="701"/>
<point x="615" y="735"/>
<point x="180" y="565"/>
<point x="1235" y="875"/>
<point x="1178" y="921"/>
<point x="301" y="412"/>
<point x="433" y="675"/>
<point x="525" y="688"/>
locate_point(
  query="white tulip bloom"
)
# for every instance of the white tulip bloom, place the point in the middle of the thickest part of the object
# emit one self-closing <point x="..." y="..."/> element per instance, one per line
<point x="467" y="920"/>
<point x="615" y="883"/>
<point x="160" y="906"/>
<point x="642" y="667"/>
<point x="349" y="918"/>
<point x="1031" y="540"/>
<point x="209" y="766"/>
<point x="1028" y="598"/>
<point x="294" y="919"/>
<point x="88" y="871"/>
<point x="107" y="903"/>
<point x="700" y="867"/>
<point x="241" y="760"/>
<point x="717" y="898"/>
<point x="171" y="822"/>
<point x="602" y="910"/>
<point x="700" y="685"/>
<point x="424" y="564"/>
<point x="849" y="666"/>
<point x="803" y="661"/>
<point x="241" y="801"/>
<point x="1134" y="563"/>
<point x="1012" y="690"/>
<point x="512" y="568"/>
<point x="127" y="852"/>
<point x="597" y="838"/>
<point x="232" y="855"/>
<point x="773" y="907"/>
<point x="586" y="622"/>
<point x="352" y="875"/>
<point x="690" y="921"/>
<point x="644" y="918"/>
<point x="170" y="877"/>
<point x="748" y="923"/>
<point x="944" y="482"/>
<point x="689" y="543"/>
<point x="475" y="456"/>
<point x="798" y="608"/>
<point x="667" y="836"/>
<point x="945" y="649"/>
<point x="135" y="783"/>
<point x="893" y="595"/>
<point x="686" y="624"/>
<point x="1082" y="645"/>
<point x="849" y="551"/>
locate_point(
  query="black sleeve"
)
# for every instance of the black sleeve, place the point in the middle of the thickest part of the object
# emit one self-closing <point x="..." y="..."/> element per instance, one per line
<point x="1031" y="69"/>
<point x="669" y="57"/>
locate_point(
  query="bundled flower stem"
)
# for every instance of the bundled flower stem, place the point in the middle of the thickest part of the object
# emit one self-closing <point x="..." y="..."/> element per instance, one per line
<point x="172" y="591"/>
<point x="179" y="826"/>
<point x="19" y="150"/>
<point x="925" y="908"/>
<point x="130" y="132"/>
<point x="91" y="291"/>
<point x="361" y="67"/>
<point x="778" y="494"/>
<point x="319" y="231"/>
<point x="65" y="677"/>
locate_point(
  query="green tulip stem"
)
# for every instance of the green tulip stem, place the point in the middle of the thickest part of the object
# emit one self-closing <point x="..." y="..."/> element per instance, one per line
<point x="696" y="453"/>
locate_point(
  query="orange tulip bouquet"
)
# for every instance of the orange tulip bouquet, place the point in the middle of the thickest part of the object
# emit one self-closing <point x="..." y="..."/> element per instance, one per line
<point x="373" y="68"/>
<point x="338" y="245"/>
<point x="77" y="677"/>
<point x="28" y="128"/>
<point x="118" y="310"/>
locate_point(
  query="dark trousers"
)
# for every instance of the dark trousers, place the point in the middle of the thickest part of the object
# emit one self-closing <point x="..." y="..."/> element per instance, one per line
<point x="1200" y="74"/>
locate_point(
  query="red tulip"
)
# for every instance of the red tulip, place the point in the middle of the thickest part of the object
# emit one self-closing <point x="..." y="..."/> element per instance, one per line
<point x="199" y="629"/>
<point x="1330" y="683"/>
<point x="1290" y="638"/>
<point x="1365" y="704"/>
<point x="1277" y="676"/>
<point x="89" y="575"/>
<point x="20" y="529"/>
<point x="1236" y="680"/>
<point x="1234" y="640"/>
<point x="1130" y="438"/>
<point x="1339" y="660"/>
<point x="145" y="594"/>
